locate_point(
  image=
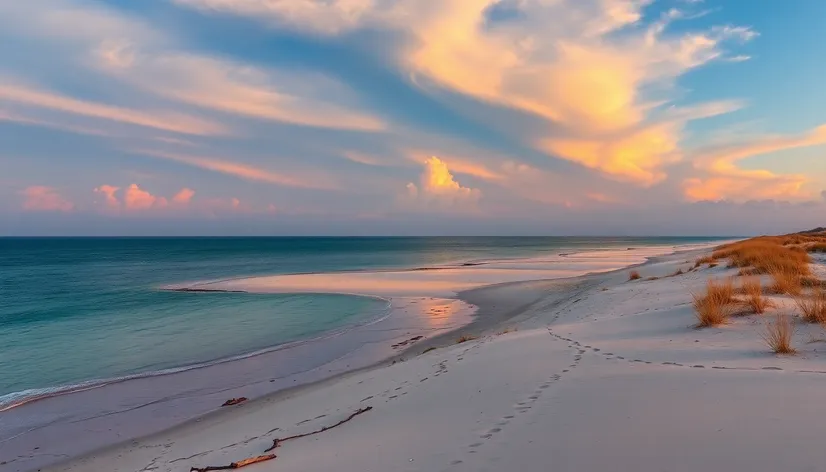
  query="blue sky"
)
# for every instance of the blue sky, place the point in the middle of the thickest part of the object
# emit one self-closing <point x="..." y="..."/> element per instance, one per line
<point x="411" y="117"/>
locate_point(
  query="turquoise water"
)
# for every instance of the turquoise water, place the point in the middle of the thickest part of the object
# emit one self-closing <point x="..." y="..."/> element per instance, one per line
<point x="73" y="310"/>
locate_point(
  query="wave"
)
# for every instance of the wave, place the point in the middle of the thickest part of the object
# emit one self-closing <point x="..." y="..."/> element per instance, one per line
<point x="17" y="399"/>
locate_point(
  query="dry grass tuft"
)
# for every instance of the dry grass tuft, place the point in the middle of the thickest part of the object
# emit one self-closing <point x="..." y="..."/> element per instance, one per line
<point x="755" y="300"/>
<point x="778" y="335"/>
<point x="787" y="283"/>
<point x="506" y="331"/>
<point x="634" y="275"/>
<point x="678" y="272"/>
<point x="817" y="247"/>
<point x="712" y="308"/>
<point x="813" y="308"/>
<point x="465" y="338"/>
<point x="652" y="278"/>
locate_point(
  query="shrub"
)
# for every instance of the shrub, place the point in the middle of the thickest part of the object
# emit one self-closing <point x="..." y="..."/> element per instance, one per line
<point x="778" y="335"/>
<point x="634" y="275"/>
<point x="813" y="308"/>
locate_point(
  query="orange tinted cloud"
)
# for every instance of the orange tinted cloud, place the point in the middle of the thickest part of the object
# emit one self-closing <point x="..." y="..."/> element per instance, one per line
<point x="166" y="121"/>
<point x="563" y="60"/>
<point x="723" y="179"/>
<point x="437" y="183"/>
<point x="241" y="170"/>
<point x="42" y="198"/>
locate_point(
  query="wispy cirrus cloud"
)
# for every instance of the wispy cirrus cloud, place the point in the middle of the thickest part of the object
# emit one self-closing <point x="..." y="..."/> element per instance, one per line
<point x="240" y="89"/>
<point x="161" y="120"/>
<point x="722" y="178"/>
<point x="243" y="171"/>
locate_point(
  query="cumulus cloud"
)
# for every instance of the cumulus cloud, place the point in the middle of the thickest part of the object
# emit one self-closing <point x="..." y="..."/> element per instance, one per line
<point x="721" y="178"/>
<point x="110" y="200"/>
<point x="42" y="198"/>
<point x="138" y="199"/>
<point x="437" y="184"/>
<point x="134" y="199"/>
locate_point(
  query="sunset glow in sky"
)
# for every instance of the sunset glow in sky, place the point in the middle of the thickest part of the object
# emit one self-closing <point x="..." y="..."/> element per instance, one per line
<point x="412" y="117"/>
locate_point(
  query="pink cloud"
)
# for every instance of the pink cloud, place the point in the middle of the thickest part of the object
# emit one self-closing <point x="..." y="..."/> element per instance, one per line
<point x="41" y="198"/>
<point x="108" y="192"/>
<point x="184" y="196"/>
<point x="138" y="199"/>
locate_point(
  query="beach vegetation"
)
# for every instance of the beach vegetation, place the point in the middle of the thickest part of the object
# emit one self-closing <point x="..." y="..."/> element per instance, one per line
<point x="812" y="307"/>
<point x="713" y="307"/>
<point x="465" y="338"/>
<point x="634" y="275"/>
<point x="778" y="334"/>
<point x="755" y="300"/>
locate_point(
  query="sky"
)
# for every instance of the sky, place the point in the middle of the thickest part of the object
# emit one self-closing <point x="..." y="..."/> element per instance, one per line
<point x="412" y="117"/>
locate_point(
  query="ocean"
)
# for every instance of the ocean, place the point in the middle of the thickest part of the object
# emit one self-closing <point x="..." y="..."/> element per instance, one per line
<point x="82" y="313"/>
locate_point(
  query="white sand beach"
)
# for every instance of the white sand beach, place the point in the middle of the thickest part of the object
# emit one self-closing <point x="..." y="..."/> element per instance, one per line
<point x="614" y="377"/>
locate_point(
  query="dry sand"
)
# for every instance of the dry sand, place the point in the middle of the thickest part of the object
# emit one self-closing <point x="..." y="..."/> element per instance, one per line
<point x="613" y="379"/>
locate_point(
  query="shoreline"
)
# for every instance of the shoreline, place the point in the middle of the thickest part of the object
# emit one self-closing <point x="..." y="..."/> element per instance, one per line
<point x="487" y="317"/>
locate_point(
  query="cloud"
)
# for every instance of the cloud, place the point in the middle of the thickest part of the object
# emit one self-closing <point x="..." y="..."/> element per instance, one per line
<point x="42" y="198"/>
<point x="241" y="89"/>
<point x="587" y="67"/>
<point x="167" y="121"/>
<point x="241" y="170"/>
<point x="328" y="17"/>
<point x="110" y="200"/>
<point x="134" y="199"/>
<point x="138" y="199"/>
<point x="437" y="184"/>
<point x="721" y="178"/>
<point x="183" y="197"/>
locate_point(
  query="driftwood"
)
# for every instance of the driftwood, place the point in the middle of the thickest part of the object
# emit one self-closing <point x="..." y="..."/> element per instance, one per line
<point x="234" y="401"/>
<point x="236" y="465"/>
<point x="277" y="442"/>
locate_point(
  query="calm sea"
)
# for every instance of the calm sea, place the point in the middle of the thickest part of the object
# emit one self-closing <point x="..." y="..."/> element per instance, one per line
<point x="74" y="310"/>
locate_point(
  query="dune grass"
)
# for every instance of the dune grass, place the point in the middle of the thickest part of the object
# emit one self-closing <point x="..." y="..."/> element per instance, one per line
<point x="787" y="283"/>
<point x="778" y="334"/>
<point x="634" y="275"/>
<point x="713" y="308"/>
<point x="812" y="308"/>
<point x="466" y="338"/>
<point x="755" y="300"/>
